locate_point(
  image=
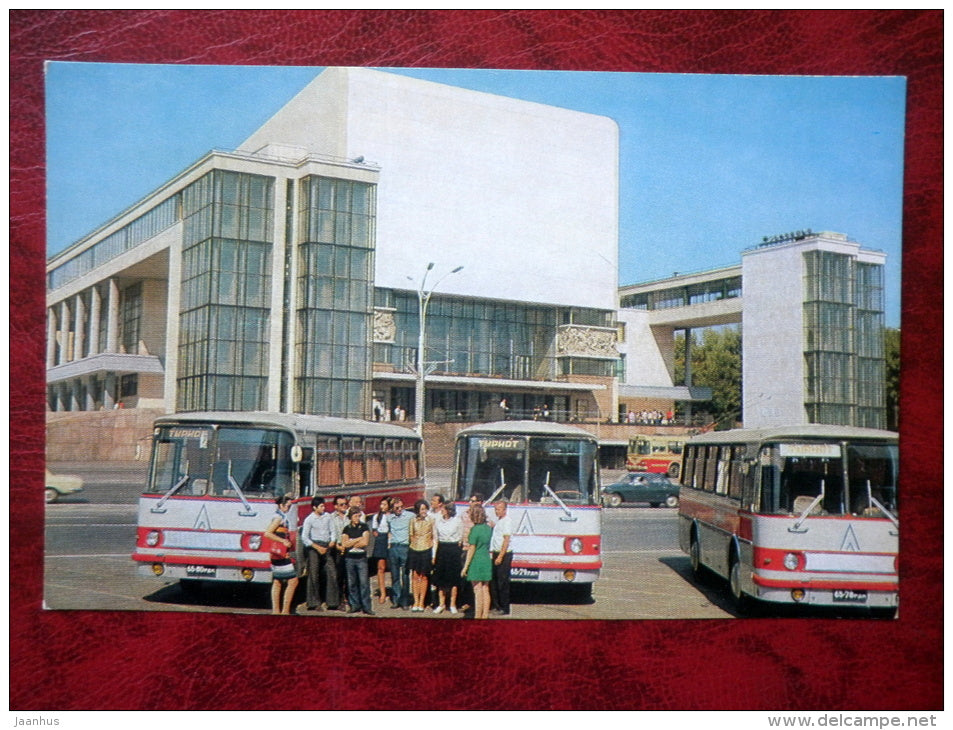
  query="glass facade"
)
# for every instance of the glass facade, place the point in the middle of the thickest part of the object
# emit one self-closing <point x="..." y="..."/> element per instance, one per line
<point x="683" y="296"/>
<point x="143" y="228"/>
<point x="843" y="340"/>
<point x="226" y="292"/>
<point x="336" y="231"/>
<point x="472" y="337"/>
<point x="131" y="316"/>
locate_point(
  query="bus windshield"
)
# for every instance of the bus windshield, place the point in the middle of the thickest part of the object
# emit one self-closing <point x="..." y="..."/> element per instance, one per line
<point x="528" y="469"/>
<point x="228" y="462"/>
<point x="813" y="478"/>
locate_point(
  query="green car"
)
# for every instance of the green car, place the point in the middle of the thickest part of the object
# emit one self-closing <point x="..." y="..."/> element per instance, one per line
<point x="643" y="486"/>
<point x="59" y="485"/>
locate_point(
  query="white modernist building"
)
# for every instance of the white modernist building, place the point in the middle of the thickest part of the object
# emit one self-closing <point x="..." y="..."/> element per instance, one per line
<point x="284" y="275"/>
<point x="288" y="275"/>
<point x="811" y="308"/>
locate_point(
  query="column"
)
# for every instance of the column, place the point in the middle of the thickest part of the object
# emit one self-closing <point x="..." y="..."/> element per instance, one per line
<point x="50" y="337"/>
<point x="79" y="327"/>
<point x="64" y="354"/>
<point x="109" y="391"/>
<point x="90" y="393"/>
<point x="74" y="404"/>
<point x="95" y="306"/>
<point x="112" y="318"/>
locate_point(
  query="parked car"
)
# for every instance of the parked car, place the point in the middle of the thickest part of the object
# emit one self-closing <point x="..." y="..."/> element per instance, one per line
<point x="655" y="489"/>
<point x="59" y="485"/>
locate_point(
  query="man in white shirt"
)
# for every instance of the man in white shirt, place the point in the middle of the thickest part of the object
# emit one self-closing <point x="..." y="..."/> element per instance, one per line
<point x="502" y="552"/>
<point x="318" y="540"/>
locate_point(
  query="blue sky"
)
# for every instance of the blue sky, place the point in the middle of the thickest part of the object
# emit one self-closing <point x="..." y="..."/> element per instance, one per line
<point x="709" y="163"/>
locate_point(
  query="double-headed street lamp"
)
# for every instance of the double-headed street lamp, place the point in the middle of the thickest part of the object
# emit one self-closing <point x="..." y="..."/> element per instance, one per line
<point x="423" y="368"/>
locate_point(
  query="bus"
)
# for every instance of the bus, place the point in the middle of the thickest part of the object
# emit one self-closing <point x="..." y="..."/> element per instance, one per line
<point x="213" y="479"/>
<point x="658" y="454"/>
<point x="548" y="473"/>
<point x="802" y="515"/>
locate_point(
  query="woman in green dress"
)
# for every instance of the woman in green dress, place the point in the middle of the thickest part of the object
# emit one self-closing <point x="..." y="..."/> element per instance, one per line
<point x="478" y="568"/>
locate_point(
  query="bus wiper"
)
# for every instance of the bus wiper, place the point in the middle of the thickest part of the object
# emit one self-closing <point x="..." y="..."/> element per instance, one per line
<point x="810" y="508"/>
<point x="499" y="489"/>
<point x="569" y="515"/>
<point x="159" y="509"/>
<point x="249" y="511"/>
<point x="872" y="500"/>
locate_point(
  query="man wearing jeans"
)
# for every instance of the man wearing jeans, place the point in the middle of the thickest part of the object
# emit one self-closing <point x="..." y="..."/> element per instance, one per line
<point x="398" y="544"/>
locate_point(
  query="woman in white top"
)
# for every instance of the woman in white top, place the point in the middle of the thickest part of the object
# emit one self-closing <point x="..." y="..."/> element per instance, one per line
<point x="379" y="530"/>
<point x="448" y="561"/>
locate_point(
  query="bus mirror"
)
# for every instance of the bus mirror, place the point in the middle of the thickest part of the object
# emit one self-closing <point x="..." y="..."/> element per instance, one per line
<point x="296" y="453"/>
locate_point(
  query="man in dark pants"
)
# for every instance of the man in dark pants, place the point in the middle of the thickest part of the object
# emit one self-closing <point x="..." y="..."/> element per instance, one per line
<point x="317" y="538"/>
<point x="502" y="551"/>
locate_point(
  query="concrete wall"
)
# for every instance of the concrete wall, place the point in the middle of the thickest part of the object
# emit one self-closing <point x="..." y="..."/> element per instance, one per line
<point x="522" y="195"/>
<point x="117" y="435"/>
<point x="649" y="351"/>
<point x="773" y="362"/>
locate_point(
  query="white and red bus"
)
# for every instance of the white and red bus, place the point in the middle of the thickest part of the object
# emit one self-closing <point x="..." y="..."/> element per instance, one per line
<point x="548" y="474"/>
<point x="798" y="515"/>
<point x="214" y="477"/>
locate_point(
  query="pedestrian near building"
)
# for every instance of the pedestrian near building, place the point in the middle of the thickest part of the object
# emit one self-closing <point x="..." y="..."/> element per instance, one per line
<point x="321" y="581"/>
<point x="284" y="574"/>
<point x="398" y="545"/>
<point x="502" y="552"/>
<point x="339" y="521"/>
<point x="448" y="560"/>
<point x="355" y="539"/>
<point x="420" y="553"/>
<point x="478" y="566"/>
<point x="379" y="531"/>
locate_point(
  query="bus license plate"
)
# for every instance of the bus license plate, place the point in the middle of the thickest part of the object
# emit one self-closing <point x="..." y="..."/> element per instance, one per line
<point x="199" y="571"/>
<point x="525" y="573"/>
<point x="848" y="596"/>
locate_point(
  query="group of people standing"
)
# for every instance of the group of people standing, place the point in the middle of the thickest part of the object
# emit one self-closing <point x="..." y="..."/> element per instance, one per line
<point x="438" y="560"/>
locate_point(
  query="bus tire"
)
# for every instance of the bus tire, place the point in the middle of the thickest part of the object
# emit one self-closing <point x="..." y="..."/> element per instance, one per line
<point x="695" y="555"/>
<point x="673" y="470"/>
<point x="740" y="599"/>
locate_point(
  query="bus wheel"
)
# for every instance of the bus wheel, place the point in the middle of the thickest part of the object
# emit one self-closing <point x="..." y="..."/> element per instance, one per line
<point x="671" y="501"/>
<point x="615" y="500"/>
<point x="695" y="555"/>
<point x="673" y="471"/>
<point x="738" y="596"/>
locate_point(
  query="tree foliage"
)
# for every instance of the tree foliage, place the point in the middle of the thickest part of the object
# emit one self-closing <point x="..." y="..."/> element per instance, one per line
<point x="716" y="364"/>
<point x="892" y="353"/>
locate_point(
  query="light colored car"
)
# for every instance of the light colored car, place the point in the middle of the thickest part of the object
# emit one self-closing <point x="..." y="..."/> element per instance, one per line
<point x="59" y="485"/>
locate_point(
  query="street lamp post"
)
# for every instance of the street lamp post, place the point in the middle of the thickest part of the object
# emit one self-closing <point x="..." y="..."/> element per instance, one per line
<point x="423" y="299"/>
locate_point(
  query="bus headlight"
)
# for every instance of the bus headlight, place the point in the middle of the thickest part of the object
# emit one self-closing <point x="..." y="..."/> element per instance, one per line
<point x="791" y="561"/>
<point x="248" y="574"/>
<point x="152" y="539"/>
<point x="574" y="545"/>
<point x="254" y="542"/>
<point x="569" y="575"/>
<point x="158" y="569"/>
<point x="797" y="594"/>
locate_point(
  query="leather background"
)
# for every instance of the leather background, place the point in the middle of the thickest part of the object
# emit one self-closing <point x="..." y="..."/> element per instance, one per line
<point x="155" y="661"/>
